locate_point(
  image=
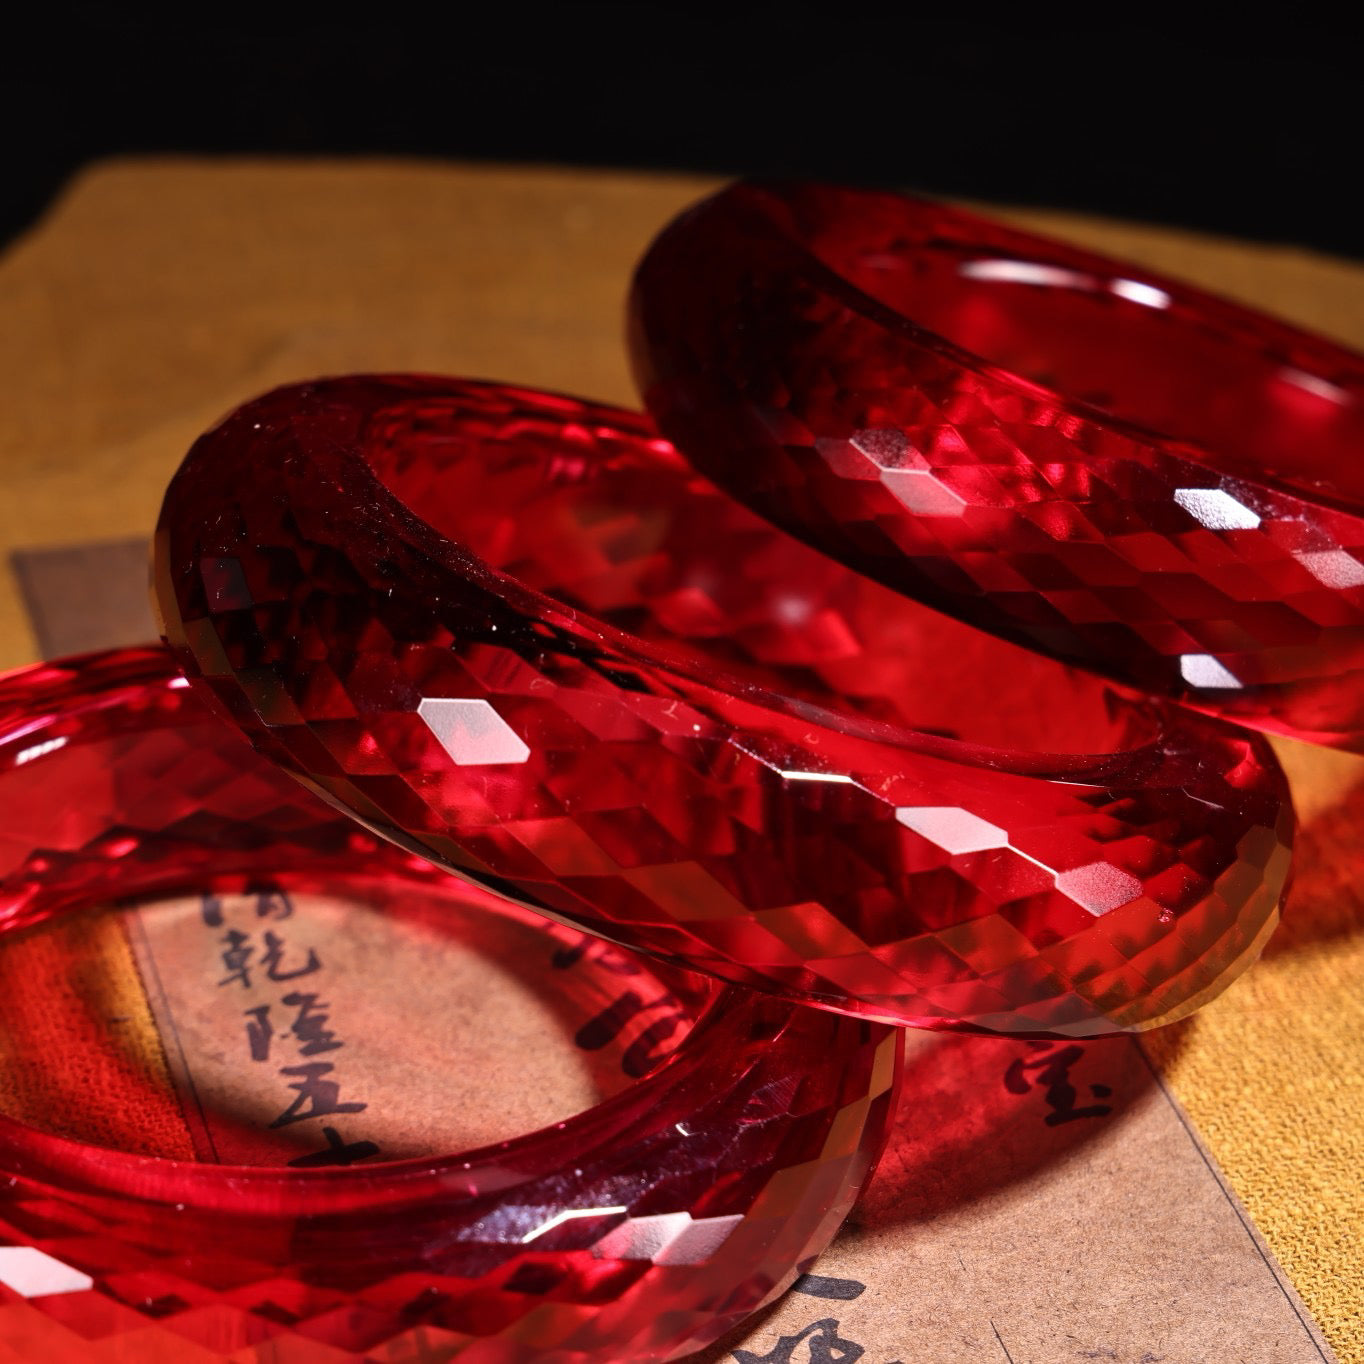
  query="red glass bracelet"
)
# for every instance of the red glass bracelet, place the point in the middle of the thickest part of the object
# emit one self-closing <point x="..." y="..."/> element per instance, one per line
<point x="1075" y="454"/>
<point x="516" y="633"/>
<point x="639" y="1230"/>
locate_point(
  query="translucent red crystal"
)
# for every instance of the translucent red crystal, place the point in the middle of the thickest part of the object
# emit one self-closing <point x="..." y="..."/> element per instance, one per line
<point x="515" y="633"/>
<point x="1075" y="454"/>
<point x="637" y="1231"/>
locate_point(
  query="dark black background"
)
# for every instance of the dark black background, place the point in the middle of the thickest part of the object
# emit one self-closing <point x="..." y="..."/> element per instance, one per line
<point x="1237" y="129"/>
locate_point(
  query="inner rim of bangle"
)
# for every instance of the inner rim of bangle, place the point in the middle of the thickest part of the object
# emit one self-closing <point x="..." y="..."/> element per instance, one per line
<point x="600" y="515"/>
<point x="1239" y="391"/>
<point x="159" y="700"/>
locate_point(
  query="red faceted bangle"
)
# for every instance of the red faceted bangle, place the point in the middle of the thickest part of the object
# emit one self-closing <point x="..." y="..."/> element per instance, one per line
<point x="516" y="633"/>
<point x="639" y="1230"/>
<point x="1075" y="454"/>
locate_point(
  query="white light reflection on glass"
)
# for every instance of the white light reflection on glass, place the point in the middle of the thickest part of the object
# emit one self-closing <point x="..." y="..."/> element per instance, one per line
<point x="1216" y="509"/>
<point x="1315" y="385"/>
<point x="1334" y="567"/>
<point x="27" y="755"/>
<point x="570" y="1215"/>
<point x="1025" y="272"/>
<point x="471" y="731"/>
<point x="1134" y="291"/>
<point x="1203" y="670"/>
<point x="818" y="776"/>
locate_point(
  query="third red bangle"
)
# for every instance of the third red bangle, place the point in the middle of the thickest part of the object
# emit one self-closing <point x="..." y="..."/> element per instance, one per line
<point x="634" y="1232"/>
<point x="1073" y="453"/>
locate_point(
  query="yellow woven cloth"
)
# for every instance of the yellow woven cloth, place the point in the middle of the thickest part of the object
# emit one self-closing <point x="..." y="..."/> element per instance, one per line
<point x="1273" y="1071"/>
<point x="156" y="295"/>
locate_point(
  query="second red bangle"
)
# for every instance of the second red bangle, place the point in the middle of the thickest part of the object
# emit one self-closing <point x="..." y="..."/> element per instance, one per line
<point x="516" y="633"/>
<point x="1081" y="456"/>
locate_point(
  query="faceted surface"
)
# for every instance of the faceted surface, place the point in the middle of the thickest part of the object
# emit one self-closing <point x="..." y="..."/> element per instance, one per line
<point x="516" y="633"/>
<point x="1100" y="464"/>
<point x="636" y="1231"/>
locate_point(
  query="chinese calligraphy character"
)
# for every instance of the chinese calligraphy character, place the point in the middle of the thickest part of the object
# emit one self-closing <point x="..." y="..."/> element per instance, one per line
<point x="336" y="1152"/>
<point x="1052" y="1070"/>
<point x="236" y="958"/>
<point x="273" y="956"/>
<point x="211" y="910"/>
<point x="273" y="903"/>
<point x="641" y="1056"/>
<point x="598" y="953"/>
<point x="647" y="1050"/>
<point x="317" y="1097"/>
<point x="259" y="1032"/>
<point x="825" y="1286"/>
<point x="310" y="1027"/>
<point x="823" y="1346"/>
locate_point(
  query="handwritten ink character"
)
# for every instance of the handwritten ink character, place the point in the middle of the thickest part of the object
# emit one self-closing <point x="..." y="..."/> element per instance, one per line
<point x="273" y="956"/>
<point x="1016" y="1077"/>
<point x="1052" y="1070"/>
<point x="273" y="903"/>
<point x="336" y="1152"/>
<point x="598" y="953"/>
<point x="568" y="955"/>
<point x="316" y="1096"/>
<point x="602" y="1030"/>
<point x="211" y="910"/>
<point x="823" y="1345"/>
<point x="650" y="1047"/>
<point x="310" y="1027"/>
<point x="236" y="955"/>
<point x="259" y="1031"/>
<point x="828" y="1286"/>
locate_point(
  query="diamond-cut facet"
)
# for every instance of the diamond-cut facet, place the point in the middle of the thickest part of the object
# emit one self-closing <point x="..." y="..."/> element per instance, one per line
<point x="471" y="731"/>
<point x="32" y="1273"/>
<point x="1099" y="887"/>
<point x="956" y="830"/>
<point x="1206" y="673"/>
<point x="1216" y="509"/>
